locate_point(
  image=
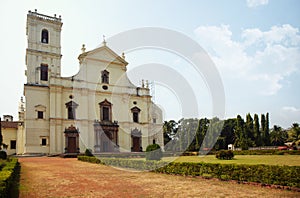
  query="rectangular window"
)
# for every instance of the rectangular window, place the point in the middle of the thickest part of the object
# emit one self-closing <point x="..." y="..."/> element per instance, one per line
<point x="71" y="113"/>
<point x="13" y="144"/>
<point x="44" y="72"/>
<point x="40" y="115"/>
<point x="44" y="141"/>
<point x="105" y="113"/>
<point x="154" y="120"/>
<point x="135" y="116"/>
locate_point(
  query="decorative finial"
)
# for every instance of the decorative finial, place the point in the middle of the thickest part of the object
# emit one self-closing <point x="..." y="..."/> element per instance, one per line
<point x="147" y="84"/>
<point x="143" y="85"/>
<point x="83" y="48"/>
<point x="35" y="10"/>
<point x="123" y="55"/>
<point x="55" y="15"/>
<point x="104" y="42"/>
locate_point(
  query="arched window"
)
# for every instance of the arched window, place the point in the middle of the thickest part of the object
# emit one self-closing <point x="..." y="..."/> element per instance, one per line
<point x="71" y="107"/>
<point x="45" y="36"/>
<point x="135" y="114"/>
<point x="105" y="76"/>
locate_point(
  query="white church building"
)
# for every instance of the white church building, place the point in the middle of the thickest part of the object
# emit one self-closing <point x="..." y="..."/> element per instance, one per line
<point x="98" y="108"/>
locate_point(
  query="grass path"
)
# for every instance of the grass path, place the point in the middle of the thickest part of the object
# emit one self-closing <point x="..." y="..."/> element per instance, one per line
<point x="289" y="160"/>
<point x="57" y="177"/>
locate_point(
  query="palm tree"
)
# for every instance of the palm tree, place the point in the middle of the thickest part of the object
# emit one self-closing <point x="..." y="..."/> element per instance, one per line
<point x="278" y="136"/>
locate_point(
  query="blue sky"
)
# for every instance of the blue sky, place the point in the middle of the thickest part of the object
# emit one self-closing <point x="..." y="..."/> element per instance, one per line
<point x="255" y="44"/>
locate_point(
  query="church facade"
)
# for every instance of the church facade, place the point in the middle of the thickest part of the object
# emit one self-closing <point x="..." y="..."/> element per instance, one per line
<point x="98" y="108"/>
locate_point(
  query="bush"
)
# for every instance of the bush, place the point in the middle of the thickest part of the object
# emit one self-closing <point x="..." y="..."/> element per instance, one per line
<point x="9" y="178"/>
<point x="88" y="152"/>
<point x="225" y="155"/>
<point x="153" y="152"/>
<point x="3" y="155"/>
<point x="265" y="174"/>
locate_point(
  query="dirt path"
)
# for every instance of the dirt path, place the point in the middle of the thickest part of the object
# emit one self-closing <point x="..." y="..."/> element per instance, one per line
<point x="58" y="177"/>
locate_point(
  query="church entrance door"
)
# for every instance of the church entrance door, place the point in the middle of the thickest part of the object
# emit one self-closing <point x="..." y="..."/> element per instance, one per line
<point x="136" y="144"/>
<point x="71" y="140"/>
<point x="72" y="145"/>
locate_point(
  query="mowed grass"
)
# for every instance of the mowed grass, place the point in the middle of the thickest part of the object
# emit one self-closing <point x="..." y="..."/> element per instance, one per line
<point x="289" y="160"/>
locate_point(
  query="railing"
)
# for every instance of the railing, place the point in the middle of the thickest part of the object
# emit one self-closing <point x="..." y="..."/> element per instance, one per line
<point x="44" y="16"/>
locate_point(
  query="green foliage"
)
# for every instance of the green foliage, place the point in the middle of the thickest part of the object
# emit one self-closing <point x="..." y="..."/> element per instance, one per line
<point x="3" y="155"/>
<point x="265" y="174"/>
<point x="225" y="155"/>
<point x="125" y="163"/>
<point x="278" y="136"/>
<point x="88" y="152"/>
<point x="89" y="159"/>
<point x="267" y="152"/>
<point x="8" y="178"/>
<point x="153" y="152"/>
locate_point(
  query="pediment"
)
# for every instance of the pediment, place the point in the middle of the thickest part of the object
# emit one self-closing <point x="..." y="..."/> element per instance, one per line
<point x="40" y="107"/>
<point x="103" y="53"/>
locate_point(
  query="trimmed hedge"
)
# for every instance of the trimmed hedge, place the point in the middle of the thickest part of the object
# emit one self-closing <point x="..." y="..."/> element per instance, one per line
<point x="153" y="152"/>
<point x="225" y="155"/>
<point x="8" y="176"/>
<point x="265" y="174"/>
<point x="125" y="163"/>
<point x="267" y="152"/>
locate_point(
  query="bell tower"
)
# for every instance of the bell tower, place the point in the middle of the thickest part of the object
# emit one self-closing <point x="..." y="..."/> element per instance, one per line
<point x="43" y="53"/>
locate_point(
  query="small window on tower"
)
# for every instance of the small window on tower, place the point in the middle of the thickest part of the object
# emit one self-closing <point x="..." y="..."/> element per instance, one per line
<point x="44" y="72"/>
<point x="40" y="115"/>
<point x="45" y="36"/>
<point x="44" y="141"/>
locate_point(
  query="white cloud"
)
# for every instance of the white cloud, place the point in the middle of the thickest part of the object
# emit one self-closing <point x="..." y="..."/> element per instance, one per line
<point x="255" y="3"/>
<point x="260" y="58"/>
<point x="291" y="109"/>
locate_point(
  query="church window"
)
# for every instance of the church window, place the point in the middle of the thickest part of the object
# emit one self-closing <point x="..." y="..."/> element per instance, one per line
<point x="13" y="144"/>
<point x="44" y="72"/>
<point x="45" y="36"/>
<point x="71" y="110"/>
<point x="105" y="76"/>
<point x="153" y="141"/>
<point x="44" y="141"/>
<point x="135" y="114"/>
<point x="40" y="114"/>
<point x="105" y="110"/>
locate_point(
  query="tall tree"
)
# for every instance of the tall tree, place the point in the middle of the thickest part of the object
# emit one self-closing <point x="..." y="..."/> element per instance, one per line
<point x="263" y="129"/>
<point x="257" y="134"/>
<point x="267" y="131"/>
<point x="250" y="127"/>
<point x="294" y="133"/>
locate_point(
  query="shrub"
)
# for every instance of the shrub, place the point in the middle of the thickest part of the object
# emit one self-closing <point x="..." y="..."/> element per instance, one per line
<point x="3" y="155"/>
<point x="153" y="152"/>
<point x="9" y="178"/>
<point x="88" y="152"/>
<point x="225" y="155"/>
<point x="265" y="174"/>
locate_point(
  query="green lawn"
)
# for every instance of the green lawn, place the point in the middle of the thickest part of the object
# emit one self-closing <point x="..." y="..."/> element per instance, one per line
<point x="290" y="160"/>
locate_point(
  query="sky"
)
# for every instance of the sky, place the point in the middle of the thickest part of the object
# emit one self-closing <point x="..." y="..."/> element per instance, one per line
<point x="254" y="44"/>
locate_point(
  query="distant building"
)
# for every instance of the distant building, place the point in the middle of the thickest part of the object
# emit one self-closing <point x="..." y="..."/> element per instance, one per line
<point x="98" y="108"/>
